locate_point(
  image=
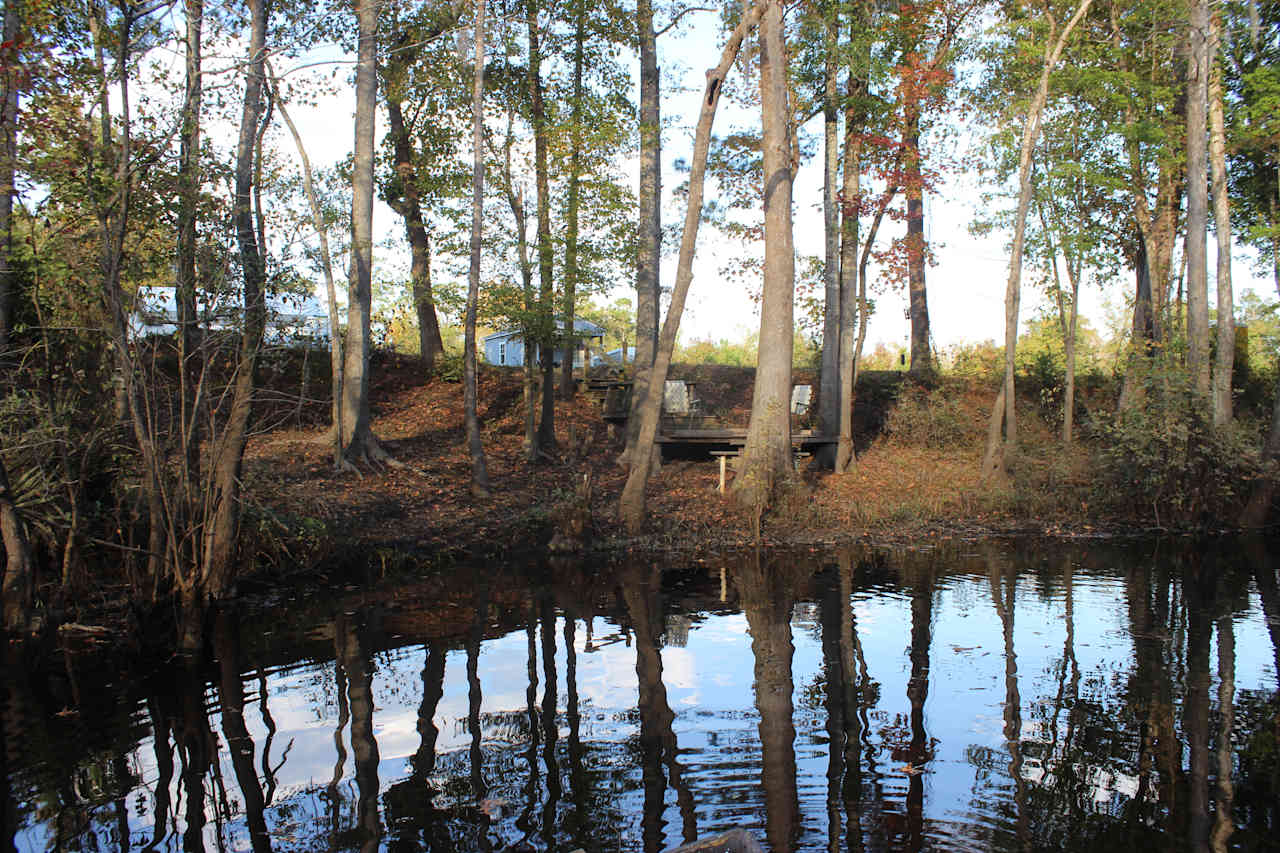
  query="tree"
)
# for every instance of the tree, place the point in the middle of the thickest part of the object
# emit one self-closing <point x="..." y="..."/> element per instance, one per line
<point x="546" y="331"/>
<point x="831" y="395"/>
<point x="1226" y="339"/>
<point x="927" y="31"/>
<point x="569" y="295"/>
<point x="358" y="440"/>
<point x="766" y="458"/>
<point x="994" y="455"/>
<point x="647" y="405"/>
<point x="326" y="267"/>
<point x="10" y="69"/>
<point x="221" y="534"/>
<point x="404" y="189"/>
<point x="17" y="593"/>
<point x="479" y="474"/>
<point x="649" y="226"/>
<point x="1197" y="199"/>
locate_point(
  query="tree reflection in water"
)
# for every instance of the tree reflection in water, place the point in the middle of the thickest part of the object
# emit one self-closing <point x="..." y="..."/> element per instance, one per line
<point x="768" y="592"/>
<point x="1079" y="707"/>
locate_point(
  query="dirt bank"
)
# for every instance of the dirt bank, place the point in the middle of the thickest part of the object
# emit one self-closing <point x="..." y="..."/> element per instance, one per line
<point x="900" y="490"/>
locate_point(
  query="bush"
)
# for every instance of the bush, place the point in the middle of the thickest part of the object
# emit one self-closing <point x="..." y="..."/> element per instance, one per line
<point x="1163" y="462"/>
<point x="931" y="418"/>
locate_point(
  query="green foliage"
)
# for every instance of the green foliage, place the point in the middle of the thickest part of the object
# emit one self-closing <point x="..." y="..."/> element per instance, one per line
<point x="1162" y="462"/>
<point x="979" y="361"/>
<point x="724" y="351"/>
<point x="449" y="366"/>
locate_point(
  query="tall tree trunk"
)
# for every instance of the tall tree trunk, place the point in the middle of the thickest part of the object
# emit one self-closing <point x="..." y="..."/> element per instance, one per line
<point x="918" y="303"/>
<point x="649" y="227"/>
<point x="1142" y="340"/>
<point x="9" y="66"/>
<point x="850" y="312"/>
<point x="188" y="202"/>
<point x="649" y="384"/>
<point x="546" y="266"/>
<point x="571" y="206"/>
<point x="830" y="395"/>
<point x="358" y="437"/>
<point x="409" y="206"/>
<point x="1070" y="327"/>
<point x="17" y="595"/>
<point x="766" y="457"/>
<point x="326" y="264"/>
<point x="479" y="474"/>
<point x="1197" y="201"/>
<point x="515" y="200"/>
<point x="226" y="453"/>
<point x="113" y="220"/>
<point x="851" y="308"/>
<point x="1226" y="343"/>
<point x="994" y="456"/>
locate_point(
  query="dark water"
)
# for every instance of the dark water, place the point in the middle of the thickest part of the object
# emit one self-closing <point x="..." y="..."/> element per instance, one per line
<point x="982" y="696"/>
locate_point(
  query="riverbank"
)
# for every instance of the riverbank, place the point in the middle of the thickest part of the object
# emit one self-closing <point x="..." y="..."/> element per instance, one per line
<point x="918" y="475"/>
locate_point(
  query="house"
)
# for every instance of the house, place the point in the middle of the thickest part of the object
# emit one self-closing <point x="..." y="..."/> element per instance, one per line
<point x="291" y="318"/>
<point x="507" y="348"/>
<point x="615" y="356"/>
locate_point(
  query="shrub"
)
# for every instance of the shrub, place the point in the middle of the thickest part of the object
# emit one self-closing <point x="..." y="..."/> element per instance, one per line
<point x="930" y="418"/>
<point x="1162" y="460"/>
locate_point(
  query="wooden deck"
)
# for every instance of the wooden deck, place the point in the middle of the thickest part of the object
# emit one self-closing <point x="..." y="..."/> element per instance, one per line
<point x="734" y="437"/>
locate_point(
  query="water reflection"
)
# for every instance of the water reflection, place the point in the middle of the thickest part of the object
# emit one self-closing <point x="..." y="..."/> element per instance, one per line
<point x="995" y="698"/>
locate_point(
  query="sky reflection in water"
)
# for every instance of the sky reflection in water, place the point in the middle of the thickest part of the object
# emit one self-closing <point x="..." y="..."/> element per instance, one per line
<point x="982" y="697"/>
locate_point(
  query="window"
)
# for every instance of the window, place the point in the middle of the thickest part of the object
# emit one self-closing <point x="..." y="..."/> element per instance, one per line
<point x="502" y="353"/>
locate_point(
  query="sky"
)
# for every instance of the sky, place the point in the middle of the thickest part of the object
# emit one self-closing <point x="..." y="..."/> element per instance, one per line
<point x="965" y="288"/>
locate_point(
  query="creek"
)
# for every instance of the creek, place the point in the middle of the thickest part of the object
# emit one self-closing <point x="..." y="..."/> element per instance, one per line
<point x="987" y="695"/>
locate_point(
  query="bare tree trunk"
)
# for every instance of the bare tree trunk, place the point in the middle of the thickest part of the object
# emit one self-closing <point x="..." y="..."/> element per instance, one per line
<point x="1072" y="325"/>
<point x="571" y="206"/>
<point x="831" y="395"/>
<point x="226" y="453"/>
<point x="649" y="384"/>
<point x="190" y="421"/>
<point x="358" y="438"/>
<point x="1225" y="356"/>
<point x="409" y="206"/>
<point x="17" y="596"/>
<point x="479" y="474"/>
<point x="113" y="221"/>
<point x="918" y="307"/>
<point x="8" y="163"/>
<point x="1197" y="201"/>
<point x="326" y="264"/>
<point x="994" y="457"/>
<point x="546" y="322"/>
<point x="649" y="227"/>
<point x="766" y="458"/>
<point x="850" y="309"/>
<point x="515" y="200"/>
